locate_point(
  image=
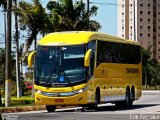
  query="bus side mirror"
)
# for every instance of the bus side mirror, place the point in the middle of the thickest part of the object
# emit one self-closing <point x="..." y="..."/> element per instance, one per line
<point x="87" y="58"/>
<point x="30" y="59"/>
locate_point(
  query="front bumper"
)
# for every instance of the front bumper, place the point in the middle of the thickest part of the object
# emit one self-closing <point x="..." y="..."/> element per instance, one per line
<point x="78" y="99"/>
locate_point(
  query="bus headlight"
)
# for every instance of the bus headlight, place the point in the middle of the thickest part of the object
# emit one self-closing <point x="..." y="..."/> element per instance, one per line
<point x="81" y="90"/>
<point x="38" y="91"/>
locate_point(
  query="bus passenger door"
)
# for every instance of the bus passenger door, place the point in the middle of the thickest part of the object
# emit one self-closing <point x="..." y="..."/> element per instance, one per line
<point x="91" y="45"/>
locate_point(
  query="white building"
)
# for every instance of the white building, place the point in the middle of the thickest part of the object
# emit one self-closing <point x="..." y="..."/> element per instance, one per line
<point x="139" y="20"/>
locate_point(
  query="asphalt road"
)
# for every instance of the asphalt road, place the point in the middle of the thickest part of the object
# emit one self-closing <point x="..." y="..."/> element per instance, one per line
<point x="147" y="107"/>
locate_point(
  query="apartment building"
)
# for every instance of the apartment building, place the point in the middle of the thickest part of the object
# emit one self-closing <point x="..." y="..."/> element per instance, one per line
<point x="139" y="20"/>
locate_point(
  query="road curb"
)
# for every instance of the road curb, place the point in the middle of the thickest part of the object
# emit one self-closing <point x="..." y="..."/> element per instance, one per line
<point x="151" y="92"/>
<point x="21" y="109"/>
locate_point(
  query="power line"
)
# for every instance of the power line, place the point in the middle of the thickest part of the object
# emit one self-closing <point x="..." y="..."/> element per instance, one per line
<point x="100" y="3"/>
<point x="108" y="4"/>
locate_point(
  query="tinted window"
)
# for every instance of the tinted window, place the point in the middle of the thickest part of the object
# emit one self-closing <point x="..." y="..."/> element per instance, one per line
<point x="111" y="52"/>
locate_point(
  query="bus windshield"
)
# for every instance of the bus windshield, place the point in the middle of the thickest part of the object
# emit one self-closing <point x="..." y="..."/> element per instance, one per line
<point x="60" y="65"/>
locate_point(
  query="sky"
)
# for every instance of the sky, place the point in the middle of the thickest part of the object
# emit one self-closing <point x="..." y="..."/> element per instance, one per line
<point x="106" y="16"/>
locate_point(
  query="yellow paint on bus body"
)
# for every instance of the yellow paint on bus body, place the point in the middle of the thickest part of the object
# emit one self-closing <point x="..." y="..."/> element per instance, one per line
<point x="112" y="79"/>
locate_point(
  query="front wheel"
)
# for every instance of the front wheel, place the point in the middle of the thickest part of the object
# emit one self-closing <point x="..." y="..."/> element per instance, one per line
<point x="50" y="108"/>
<point x="94" y="106"/>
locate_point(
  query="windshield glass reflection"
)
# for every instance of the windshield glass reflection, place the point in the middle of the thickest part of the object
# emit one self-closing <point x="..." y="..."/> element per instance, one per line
<point x="60" y="65"/>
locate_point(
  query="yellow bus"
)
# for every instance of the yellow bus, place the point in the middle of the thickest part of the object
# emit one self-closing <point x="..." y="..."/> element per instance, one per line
<point x="86" y="69"/>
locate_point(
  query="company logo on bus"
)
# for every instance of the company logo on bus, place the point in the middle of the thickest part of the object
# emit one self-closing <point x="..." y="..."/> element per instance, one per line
<point x="58" y="94"/>
<point x="132" y="70"/>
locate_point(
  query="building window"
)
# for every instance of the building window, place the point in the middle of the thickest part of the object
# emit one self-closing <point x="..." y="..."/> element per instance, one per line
<point x="141" y="34"/>
<point x="149" y="5"/>
<point x="122" y="6"/>
<point x="149" y="27"/>
<point x="141" y="19"/>
<point x="141" y="27"/>
<point x="122" y="35"/>
<point x="149" y="20"/>
<point x="158" y="42"/>
<point x="141" y="5"/>
<point x="149" y="34"/>
<point x="130" y="27"/>
<point x="149" y="12"/>
<point x="122" y="28"/>
<point x="122" y="13"/>
<point x="141" y="12"/>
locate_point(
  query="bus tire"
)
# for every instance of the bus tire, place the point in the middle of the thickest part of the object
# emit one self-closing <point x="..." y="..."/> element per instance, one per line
<point x="50" y="108"/>
<point x="97" y="99"/>
<point x="96" y="102"/>
<point x="127" y="101"/>
<point x="131" y="97"/>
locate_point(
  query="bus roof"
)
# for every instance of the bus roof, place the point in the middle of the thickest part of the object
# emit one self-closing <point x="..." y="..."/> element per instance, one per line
<point x="79" y="37"/>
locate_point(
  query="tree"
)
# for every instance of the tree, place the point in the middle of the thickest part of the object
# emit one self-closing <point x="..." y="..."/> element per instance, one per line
<point x="66" y="16"/>
<point x="33" y="16"/>
<point x="2" y="68"/>
<point x="2" y="64"/>
<point x="63" y="16"/>
<point x="3" y="3"/>
<point x="151" y="68"/>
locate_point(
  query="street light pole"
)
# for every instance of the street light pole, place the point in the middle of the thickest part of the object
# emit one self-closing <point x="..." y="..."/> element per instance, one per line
<point x="8" y="57"/>
<point x="88" y="6"/>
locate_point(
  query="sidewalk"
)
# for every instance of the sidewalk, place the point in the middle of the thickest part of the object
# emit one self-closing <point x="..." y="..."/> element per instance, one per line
<point x="150" y="92"/>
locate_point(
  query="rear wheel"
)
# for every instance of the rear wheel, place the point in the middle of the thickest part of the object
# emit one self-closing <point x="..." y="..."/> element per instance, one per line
<point x="50" y="108"/>
<point x="128" y="100"/>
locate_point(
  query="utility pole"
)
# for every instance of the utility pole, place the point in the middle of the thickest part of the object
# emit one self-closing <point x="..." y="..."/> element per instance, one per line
<point x="88" y="6"/>
<point x="17" y="55"/>
<point x="5" y="25"/>
<point x="8" y="56"/>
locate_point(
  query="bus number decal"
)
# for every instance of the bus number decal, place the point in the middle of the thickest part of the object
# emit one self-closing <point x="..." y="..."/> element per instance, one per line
<point x="132" y="70"/>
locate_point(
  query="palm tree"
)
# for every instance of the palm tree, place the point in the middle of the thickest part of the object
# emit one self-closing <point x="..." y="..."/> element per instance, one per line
<point x="63" y="16"/>
<point x="3" y="3"/>
<point x="33" y="16"/>
<point x="66" y="16"/>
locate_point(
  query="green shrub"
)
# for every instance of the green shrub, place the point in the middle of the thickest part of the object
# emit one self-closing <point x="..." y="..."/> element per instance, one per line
<point x="21" y="101"/>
